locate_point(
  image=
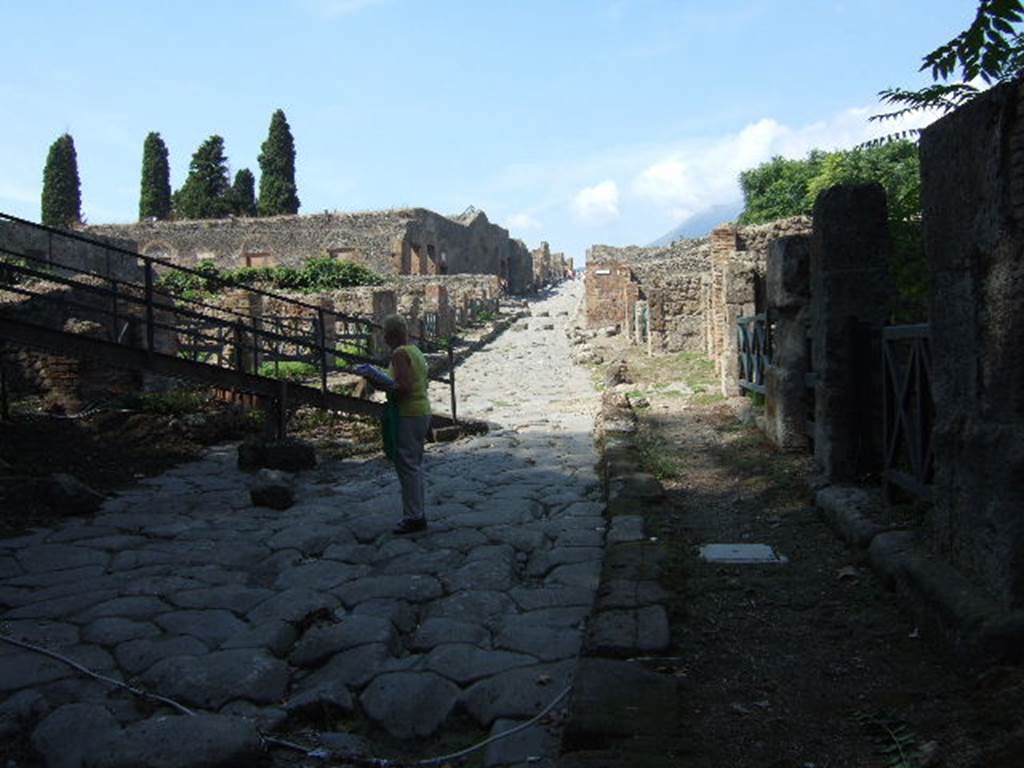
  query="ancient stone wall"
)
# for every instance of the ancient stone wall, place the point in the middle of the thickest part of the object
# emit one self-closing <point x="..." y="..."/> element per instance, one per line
<point x="411" y="241"/>
<point x="973" y="202"/>
<point x="90" y="254"/>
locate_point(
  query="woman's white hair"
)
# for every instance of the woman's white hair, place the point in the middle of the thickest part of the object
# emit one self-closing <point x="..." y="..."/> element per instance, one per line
<point x="396" y="325"/>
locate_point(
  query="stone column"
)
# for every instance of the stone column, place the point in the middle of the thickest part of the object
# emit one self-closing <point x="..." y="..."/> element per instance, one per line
<point x="850" y="291"/>
<point x="738" y="298"/>
<point x="724" y="242"/>
<point x="788" y="297"/>
<point x="972" y="173"/>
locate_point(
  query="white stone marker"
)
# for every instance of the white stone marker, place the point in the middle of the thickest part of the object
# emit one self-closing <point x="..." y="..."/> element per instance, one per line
<point x="740" y="554"/>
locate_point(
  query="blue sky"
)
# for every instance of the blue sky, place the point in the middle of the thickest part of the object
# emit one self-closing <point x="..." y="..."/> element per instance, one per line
<point x="573" y="121"/>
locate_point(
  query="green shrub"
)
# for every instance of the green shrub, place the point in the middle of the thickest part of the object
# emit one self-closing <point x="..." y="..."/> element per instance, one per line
<point x="289" y="370"/>
<point x="177" y="402"/>
<point x="315" y="276"/>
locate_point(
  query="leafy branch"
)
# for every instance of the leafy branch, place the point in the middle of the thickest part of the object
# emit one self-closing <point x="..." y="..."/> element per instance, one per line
<point x="991" y="49"/>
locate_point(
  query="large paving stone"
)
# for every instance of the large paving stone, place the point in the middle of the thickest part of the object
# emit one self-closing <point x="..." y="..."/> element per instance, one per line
<point x="212" y="627"/>
<point x="545" y="561"/>
<point x="52" y="634"/>
<point x="292" y="605"/>
<point x="523" y="538"/>
<point x="543" y="642"/>
<point x="440" y="561"/>
<point x="529" y="746"/>
<point x="409" y="704"/>
<point x="587" y="575"/>
<point x="494" y="573"/>
<point x="461" y="539"/>
<point x="74" y="735"/>
<point x="322" y="642"/>
<point x="403" y="615"/>
<point x="321" y="575"/>
<point x="230" y="597"/>
<point x="25" y="669"/>
<point x="518" y="694"/>
<point x="276" y="636"/>
<point x="477" y="607"/>
<point x="320" y="698"/>
<point x="572" y="616"/>
<point x="212" y="680"/>
<point x="463" y="663"/>
<point x="628" y="632"/>
<point x="437" y="631"/>
<point x="59" y="607"/>
<point x="18" y="711"/>
<point x="113" y="630"/>
<point x="413" y="588"/>
<point x="57" y="557"/>
<point x="178" y="741"/>
<point x="353" y="554"/>
<point x="135" y="656"/>
<point x="532" y="598"/>
<point x="353" y="668"/>
<point x="142" y="607"/>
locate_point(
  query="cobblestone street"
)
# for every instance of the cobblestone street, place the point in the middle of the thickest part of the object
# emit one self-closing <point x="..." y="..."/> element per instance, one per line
<point x="183" y="586"/>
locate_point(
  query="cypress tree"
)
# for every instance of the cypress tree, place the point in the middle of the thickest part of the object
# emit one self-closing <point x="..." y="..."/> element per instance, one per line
<point x="62" y="197"/>
<point x="206" y="193"/>
<point x="243" y="193"/>
<point x="278" y="193"/>
<point x="155" y="193"/>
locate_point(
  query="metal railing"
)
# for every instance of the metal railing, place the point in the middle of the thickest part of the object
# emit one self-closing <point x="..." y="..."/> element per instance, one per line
<point x="908" y="410"/>
<point x="143" y="313"/>
<point x="753" y="345"/>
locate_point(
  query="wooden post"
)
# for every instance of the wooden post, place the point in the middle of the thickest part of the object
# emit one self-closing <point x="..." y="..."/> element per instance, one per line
<point x="451" y="378"/>
<point x="282" y="409"/>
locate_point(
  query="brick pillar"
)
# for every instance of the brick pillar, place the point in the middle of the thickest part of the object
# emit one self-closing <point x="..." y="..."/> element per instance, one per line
<point x="631" y="294"/>
<point x="239" y="336"/>
<point x="737" y="300"/>
<point x="850" y="289"/>
<point x="972" y="173"/>
<point x="789" y="292"/>
<point x="436" y="300"/>
<point x="724" y="242"/>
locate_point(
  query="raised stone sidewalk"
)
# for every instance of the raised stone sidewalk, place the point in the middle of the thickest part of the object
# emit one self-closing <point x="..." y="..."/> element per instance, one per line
<point x="265" y="620"/>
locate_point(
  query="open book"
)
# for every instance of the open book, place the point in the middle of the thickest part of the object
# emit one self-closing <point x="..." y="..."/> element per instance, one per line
<point x="377" y="376"/>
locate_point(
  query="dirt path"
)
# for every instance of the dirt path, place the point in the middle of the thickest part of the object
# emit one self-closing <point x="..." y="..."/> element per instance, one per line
<point x="809" y="663"/>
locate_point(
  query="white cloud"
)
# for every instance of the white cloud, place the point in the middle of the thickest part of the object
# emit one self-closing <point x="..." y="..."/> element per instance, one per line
<point x="598" y="204"/>
<point x="521" y="221"/>
<point x="697" y="174"/>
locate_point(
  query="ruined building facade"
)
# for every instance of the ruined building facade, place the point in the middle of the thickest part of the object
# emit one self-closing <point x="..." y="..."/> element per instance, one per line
<point x="408" y="241"/>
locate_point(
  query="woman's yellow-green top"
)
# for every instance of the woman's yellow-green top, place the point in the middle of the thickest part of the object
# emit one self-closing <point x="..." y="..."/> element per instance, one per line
<point x="416" y="403"/>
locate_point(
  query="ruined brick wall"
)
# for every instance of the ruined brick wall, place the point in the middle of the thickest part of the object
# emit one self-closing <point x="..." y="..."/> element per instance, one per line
<point x="59" y="251"/>
<point x="606" y="285"/>
<point x="520" y="277"/>
<point x="411" y="241"/>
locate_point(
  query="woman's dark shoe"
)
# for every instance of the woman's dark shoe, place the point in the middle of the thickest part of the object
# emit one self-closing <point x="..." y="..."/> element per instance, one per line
<point x="410" y="525"/>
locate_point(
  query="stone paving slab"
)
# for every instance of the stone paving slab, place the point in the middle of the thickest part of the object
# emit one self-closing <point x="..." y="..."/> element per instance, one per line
<point x="270" y="617"/>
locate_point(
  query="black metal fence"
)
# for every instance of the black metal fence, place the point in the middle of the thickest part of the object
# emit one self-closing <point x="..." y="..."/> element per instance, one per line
<point x="754" y="347"/>
<point x="909" y="411"/>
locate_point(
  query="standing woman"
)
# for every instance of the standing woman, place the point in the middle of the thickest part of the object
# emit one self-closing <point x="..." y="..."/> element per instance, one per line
<point x="409" y="370"/>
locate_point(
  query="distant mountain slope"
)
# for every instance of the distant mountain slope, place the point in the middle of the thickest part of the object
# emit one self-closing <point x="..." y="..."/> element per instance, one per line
<point x="701" y="224"/>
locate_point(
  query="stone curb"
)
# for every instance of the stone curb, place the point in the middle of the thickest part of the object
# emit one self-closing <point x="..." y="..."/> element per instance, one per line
<point x="946" y="606"/>
<point x="620" y="707"/>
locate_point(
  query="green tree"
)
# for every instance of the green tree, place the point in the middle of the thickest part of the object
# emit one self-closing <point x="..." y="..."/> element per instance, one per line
<point x="243" y="193"/>
<point x="778" y="188"/>
<point x="206" y="192"/>
<point x="278" y="194"/>
<point x="62" y="197"/>
<point x="155" y="192"/>
<point x="991" y="48"/>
